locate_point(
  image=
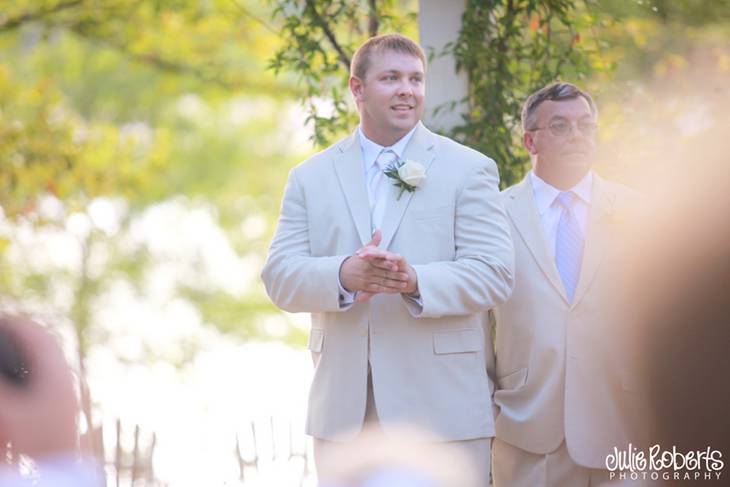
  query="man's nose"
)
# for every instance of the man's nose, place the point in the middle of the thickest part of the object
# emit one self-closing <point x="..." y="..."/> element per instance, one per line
<point x="405" y="88"/>
<point x="574" y="131"/>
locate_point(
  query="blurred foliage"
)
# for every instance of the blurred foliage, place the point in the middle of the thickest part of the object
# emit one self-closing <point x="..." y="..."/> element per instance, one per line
<point x="320" y="38"/>
<point x="48" y="147"/>
<point x="90" y="88"/>
<point x="138" y="101"/>
<point x="689" y="13"/>
<point x="508" y="49"/>
<point x="244" y="318"/>
<point x="645" y="38"/>
<point x="670" y="83"/>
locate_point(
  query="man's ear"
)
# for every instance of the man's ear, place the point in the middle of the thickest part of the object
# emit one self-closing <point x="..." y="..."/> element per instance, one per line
<point x="356" y="87"/>
<point x="528" y="139"/>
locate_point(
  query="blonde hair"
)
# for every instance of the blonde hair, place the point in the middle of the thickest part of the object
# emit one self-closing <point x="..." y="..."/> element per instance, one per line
<point x="385" y="42"/>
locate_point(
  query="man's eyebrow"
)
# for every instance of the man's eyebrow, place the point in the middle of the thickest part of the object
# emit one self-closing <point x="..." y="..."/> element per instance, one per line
<point x="397" y="71"/>
<point x="563" y="117"/>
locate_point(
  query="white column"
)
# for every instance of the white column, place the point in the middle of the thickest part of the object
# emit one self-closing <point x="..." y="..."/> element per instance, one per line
<point x="439" y="23"/>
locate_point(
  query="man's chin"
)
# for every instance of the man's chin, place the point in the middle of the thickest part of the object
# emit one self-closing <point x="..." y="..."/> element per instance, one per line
<point x="404" y="124"/>
<point x="576" y="159"/>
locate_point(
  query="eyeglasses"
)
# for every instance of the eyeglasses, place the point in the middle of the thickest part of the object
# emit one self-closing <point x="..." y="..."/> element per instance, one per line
<point x="561" y="128"/>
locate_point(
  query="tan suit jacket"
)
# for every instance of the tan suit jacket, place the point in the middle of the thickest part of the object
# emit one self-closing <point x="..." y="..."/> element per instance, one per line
<point x="427" y="363"/>
<point x="559" y="367"/>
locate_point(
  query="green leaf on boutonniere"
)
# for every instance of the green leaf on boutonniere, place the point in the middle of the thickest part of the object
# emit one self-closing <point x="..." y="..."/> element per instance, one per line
<point x="407" y="175"/>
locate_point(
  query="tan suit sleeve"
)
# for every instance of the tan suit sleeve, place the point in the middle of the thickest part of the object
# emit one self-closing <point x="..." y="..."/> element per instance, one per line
<point x="294" y="279"/>
<point x="482" y="272"/>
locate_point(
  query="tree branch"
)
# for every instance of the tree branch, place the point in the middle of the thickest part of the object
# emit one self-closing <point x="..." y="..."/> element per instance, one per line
<point x="173" y="66"/>
<point x="14" y="23"/>
<point x="344" y="58"/>
<point x="251" y="16"/>
<point x="373" y="22"/>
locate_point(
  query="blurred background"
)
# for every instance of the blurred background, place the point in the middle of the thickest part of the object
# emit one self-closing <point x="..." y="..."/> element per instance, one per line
<point x="144" y="147"/>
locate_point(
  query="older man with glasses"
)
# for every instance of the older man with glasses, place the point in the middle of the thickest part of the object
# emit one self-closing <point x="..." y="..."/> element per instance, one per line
<point x="560" y="377"/>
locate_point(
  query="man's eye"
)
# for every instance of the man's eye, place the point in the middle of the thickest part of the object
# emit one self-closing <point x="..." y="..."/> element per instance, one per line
<point x="559" y="126"/>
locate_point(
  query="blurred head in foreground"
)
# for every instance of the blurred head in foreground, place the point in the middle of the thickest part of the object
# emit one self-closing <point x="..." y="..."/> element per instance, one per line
<point x="681" y="293"/>
<point x="38" y="403"/>
<point x="405" y="458"/>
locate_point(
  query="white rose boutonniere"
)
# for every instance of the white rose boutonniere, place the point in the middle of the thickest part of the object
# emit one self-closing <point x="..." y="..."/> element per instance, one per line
<point x="408" y="175"/>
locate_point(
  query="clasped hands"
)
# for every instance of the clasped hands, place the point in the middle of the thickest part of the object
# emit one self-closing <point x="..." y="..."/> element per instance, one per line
<point x="372" y="270"/>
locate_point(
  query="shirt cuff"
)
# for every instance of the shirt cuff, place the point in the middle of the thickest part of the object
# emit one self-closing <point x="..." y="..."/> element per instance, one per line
<point x="346" y="298"/>
<point x="416" y="296"/>
<point x="414" y="303"/>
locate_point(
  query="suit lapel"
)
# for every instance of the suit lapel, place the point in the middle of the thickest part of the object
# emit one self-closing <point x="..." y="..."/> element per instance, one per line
<point x="419" y="149"/>
<point x="349" y="169"/>
<point x="522" y="210"/>
<point x="596" y="236"/>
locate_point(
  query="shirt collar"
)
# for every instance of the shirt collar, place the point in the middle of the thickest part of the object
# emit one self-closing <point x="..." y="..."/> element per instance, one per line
<point x="371" y="150"/>
<point x="545" y="194"/>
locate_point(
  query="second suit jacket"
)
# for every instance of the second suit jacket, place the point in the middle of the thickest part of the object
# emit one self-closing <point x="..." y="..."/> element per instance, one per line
<point x="427" y="363"/>
<point x="559" y="365"/>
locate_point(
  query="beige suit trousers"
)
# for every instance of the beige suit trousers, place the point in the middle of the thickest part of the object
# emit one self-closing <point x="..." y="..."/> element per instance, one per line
<point x="477" y="451"/>
<point x="514" y="467"/>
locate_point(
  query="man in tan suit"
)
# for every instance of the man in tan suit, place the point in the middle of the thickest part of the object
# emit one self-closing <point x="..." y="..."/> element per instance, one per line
<point x="561" y="386"/>
<point x="395" y="279"/>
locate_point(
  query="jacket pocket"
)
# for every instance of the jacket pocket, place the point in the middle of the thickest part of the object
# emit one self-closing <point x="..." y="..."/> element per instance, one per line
<point x="513" y="380"/>
<point x="316" y="340"/>
<point x="458" y="341"/>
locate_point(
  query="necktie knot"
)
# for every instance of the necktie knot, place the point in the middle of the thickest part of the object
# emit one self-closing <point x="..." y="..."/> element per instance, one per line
<point x="385" y="159"/>
<point x="565" y="199"/>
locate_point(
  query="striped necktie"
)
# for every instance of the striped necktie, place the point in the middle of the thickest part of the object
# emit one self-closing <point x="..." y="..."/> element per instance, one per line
<point x="377" y="186"/>
<point x="568" y="244"/>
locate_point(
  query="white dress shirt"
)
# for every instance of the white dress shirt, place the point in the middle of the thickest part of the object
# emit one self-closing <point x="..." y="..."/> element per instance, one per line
<point x="370" y="151"/>
<point x="549" y="209"/>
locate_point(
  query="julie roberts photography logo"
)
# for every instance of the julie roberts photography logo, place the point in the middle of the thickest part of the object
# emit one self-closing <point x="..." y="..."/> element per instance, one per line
<point x="665" y="464"/>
